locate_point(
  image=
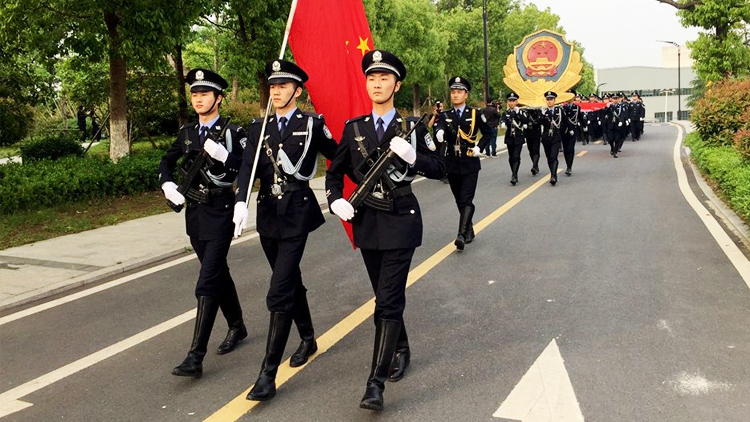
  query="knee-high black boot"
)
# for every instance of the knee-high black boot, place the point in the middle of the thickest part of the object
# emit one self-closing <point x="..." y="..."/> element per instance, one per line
<point x="230" y="307"/>
<point x="535" y="164"/>
<point x="303" y="320"/>
<point x="386" y="338"/>
<point x="514" y="172"/>
<point x="401" y="357"/>
<point x="192" y="366"/>
<point x="553" y="173"/>
<point x="469" y="225"/>
<point x="460" y="241"/>
<point x="278" y="333"/>
<point x="569" y="156"/>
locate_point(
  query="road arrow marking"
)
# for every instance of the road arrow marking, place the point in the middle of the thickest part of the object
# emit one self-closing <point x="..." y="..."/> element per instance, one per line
<point x="544" y="393"/>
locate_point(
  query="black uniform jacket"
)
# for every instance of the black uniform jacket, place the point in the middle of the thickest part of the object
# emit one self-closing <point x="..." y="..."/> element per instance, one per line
<point x="212" y="220"/>
<point x="534" y="127"/>
<point x="297" y="212"/>
<point x="374" y="229"/>
<point x="553" y="124"/>
<point x="516" y="123"/>
<point x="450" y="122"/>
<point x="574" y="119"/>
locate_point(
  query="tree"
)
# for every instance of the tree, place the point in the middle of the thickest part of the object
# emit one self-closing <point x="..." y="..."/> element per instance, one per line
<point x="721" y="51"/>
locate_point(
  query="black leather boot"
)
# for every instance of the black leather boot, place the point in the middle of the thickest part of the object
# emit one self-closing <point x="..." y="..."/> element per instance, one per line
<point x="230" y="307"/>
<point x="401" y="357"/>
<point x="192" y="366"/>
<point x="514" y="171"/>
<point x="569" y="163"/>
<point x="535" y="164"/>
<point x="460" y="241"/>
<point x="278" y="333"/>
<point x="469" y="232"/>
<point x="386" y="339"/>
<point x="303" y="320"/>
<point x="553" y="174"/>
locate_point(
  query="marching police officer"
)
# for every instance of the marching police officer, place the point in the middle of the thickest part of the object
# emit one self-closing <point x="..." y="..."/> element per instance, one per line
<point x="208" y="213"/>
<point x="637" y="116"/>
<point x="571" y="133"/>
<point x="515" y="122"/>
<point x="459" y="128"/>
<point x="553" y="125"/>
<point x="388" y="227"/>
<point x="618" y="115"/>
<point x="287" y="212"/>
<point x="534" y="137"/>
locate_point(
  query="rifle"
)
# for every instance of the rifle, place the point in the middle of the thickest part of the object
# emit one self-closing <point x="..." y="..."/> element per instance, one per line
<point x="377" y="171"/>
<point x="199" y="165"/>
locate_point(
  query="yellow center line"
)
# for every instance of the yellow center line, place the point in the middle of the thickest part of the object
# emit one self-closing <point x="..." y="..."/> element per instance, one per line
<point x="598" y="143"/>
<point x="239" y="406"/>
<point x="582" y="153"/>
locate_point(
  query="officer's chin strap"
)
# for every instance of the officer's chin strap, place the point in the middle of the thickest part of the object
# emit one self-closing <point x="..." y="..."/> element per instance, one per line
<point x="391" y="96"/>
<point x="290" y="98"/>
<point x="210" y="110"/>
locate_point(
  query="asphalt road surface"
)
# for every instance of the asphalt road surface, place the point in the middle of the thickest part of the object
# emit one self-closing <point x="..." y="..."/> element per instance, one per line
<point x="604" y="298"/>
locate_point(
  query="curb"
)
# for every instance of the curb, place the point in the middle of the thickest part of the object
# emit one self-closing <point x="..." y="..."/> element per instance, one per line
<point x="730" y="219"/>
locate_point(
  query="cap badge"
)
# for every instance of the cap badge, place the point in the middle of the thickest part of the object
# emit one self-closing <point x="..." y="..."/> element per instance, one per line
<point x="199" y="75"/>
<point x="458" y="80"/>
<point x="377" y="56"/>
<point x="276" y="66"/>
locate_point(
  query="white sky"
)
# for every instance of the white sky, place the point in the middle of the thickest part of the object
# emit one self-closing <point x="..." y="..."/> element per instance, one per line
<point x="618" y="33"/>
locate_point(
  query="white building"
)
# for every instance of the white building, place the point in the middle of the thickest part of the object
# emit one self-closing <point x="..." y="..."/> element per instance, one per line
<point x="656" y="85"/>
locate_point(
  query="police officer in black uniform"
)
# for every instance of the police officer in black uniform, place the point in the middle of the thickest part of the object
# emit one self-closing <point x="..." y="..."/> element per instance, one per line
<point x="534" y="137"/>
<point x="572" y="132"/>
<point x="516" y="123"/>
<point x="637" y="116"/>
<point x="552" y="125"/>
<point x="208" y="213"/>
<point x="388" y="227"/>
<point x="287" y="212"/>
<point x="619" y="116"/>
<point x="459" y="129"/>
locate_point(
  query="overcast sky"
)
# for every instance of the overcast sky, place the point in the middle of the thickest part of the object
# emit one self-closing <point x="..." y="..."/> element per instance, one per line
<point x="617" y="33"/>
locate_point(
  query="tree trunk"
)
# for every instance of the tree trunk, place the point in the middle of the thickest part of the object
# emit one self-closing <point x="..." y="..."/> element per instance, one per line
<point x="182" y="108"/>
<point x="264" y="92"/>
<point x="118" y="100"/>
<point x="415" y="91"/>
<point x="235" y="87"/>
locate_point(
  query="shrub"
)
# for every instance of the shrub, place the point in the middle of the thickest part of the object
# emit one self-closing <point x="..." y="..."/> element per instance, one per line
<point x="242" y="113"/>
<point x="718" y="115"/>
<point x="727" y="168"/>
<point x="15" y="121"/>
<point x="51" y="147"/>
<point x="42" y="184"/>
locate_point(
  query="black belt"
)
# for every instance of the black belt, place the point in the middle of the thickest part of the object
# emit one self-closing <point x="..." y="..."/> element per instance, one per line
<point x="289" y="186"/>
<point x="385" y="203"/>
<point x="204" y="195"/>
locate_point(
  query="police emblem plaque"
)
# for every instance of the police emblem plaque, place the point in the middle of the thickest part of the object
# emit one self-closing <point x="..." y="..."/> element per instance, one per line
<point x="544" y="61"/>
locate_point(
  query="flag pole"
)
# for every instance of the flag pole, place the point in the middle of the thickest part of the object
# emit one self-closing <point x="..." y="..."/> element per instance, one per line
<point x="288" y="29"/>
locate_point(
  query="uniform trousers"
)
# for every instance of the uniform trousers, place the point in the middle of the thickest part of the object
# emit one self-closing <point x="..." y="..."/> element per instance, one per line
<point x="533" y="144"/>
<point x="463" y="187"/>
<point x="388" y="271"/>
<point x="551" y="150"/>
<point x="569" y="147"/>
<point x="214" y="278"/>
<point x="284" y="256"/>
<point x="514" y="154"/>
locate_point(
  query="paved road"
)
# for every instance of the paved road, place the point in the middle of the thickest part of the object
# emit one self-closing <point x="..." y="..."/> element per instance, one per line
<point x="612" y="267"/>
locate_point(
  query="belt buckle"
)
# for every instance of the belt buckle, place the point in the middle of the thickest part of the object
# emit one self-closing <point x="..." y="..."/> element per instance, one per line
<point x="278" y="189"/>
<point x="378" y="191"/>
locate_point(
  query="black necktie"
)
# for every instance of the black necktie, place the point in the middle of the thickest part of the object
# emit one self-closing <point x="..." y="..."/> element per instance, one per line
<point x="282" y="127"/>
<point x="203" y="134"/>
<point x="380" y="130"/>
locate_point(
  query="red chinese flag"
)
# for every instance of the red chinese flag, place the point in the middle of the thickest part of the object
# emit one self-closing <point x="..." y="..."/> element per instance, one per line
<point x="328" y="39"/>
<point x="591" y="106"/>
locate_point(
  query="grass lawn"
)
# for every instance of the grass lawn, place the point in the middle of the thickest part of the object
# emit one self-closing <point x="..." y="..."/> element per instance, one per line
<point x="32" y="226"/>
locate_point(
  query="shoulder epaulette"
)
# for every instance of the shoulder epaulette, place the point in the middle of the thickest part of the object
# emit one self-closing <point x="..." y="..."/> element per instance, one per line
<point x="357" y="118"/>
<point x="188" y="125"/>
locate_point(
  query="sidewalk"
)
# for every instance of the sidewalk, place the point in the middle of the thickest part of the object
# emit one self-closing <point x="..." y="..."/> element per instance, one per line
<point x="38" y="270"/>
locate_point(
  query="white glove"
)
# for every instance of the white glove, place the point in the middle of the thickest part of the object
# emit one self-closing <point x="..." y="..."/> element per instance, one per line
<point x="619" y="124"/>
<point x="239" y="218"/>
<point x="343" y="209"/>
<point x="439" y="135"/>
<point x="403" y="149"/>
<point x="641" y="118"/>
<point x="477" y="152"/>
<point x="216" y="151"/>
<point x="170" y="192"/>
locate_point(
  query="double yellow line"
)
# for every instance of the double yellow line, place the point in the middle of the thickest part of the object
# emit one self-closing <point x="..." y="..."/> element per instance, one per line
<point x="239" y="406"/>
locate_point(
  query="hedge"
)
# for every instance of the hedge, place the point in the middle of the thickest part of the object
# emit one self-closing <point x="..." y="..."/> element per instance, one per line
<point x="727" y="168"/>
<point x="42" y="184"/>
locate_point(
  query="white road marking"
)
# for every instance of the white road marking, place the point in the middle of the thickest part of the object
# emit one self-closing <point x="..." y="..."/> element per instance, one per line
<point x="9" y="400"/>
<point x="114" y="283"/>
<point x="726" y="244"/>
<point x="544" y="394"/>
<point x="686" y="384"/>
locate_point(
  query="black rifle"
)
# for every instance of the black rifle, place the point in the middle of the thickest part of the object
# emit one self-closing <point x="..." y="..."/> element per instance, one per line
<point x="377" y="170"/>
<point x="200" y="164"/>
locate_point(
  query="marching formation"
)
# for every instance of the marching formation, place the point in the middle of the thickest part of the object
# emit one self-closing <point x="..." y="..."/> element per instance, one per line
<point x="382" y="152"/>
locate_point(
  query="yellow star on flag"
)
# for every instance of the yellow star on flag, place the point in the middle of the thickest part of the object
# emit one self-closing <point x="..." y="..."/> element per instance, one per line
<point x="363" y="45"/>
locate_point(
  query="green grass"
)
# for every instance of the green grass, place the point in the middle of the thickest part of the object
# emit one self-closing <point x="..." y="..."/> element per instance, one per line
<point x="32" y="226"/>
